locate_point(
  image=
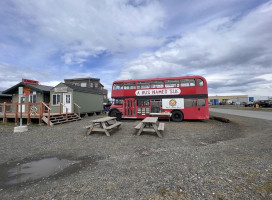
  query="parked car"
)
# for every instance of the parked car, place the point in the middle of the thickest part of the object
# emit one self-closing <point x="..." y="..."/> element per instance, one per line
<point x="263" y="103"/>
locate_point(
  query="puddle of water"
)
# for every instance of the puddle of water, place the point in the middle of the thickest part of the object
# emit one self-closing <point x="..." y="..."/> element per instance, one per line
<point x="37" y="169"/>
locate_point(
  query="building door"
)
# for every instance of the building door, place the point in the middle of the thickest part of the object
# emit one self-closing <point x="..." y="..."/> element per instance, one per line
<point x="23" y="106"/>
<point x="67" y="102"/>
<point x="129" y="107"/>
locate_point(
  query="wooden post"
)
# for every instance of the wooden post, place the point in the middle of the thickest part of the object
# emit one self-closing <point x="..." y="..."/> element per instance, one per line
<point x="78" y="111"/>
<point x="41" y="113"/>
<point x="16" y="113"/>
<point x="48" y="122"/>
<point x="60" y="108"/>
<point x="5" y="114"/>
<point x="66" y="114"/>
<point x="28" y="113"/>
<point x="74" y="108"/>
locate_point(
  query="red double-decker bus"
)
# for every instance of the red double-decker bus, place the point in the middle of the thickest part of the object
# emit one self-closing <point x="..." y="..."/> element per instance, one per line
<point x="185" y="97"/>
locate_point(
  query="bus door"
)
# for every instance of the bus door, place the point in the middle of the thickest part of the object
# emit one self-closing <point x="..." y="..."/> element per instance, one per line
<point x="202" y="107"/>
<point x="129" y="107"/>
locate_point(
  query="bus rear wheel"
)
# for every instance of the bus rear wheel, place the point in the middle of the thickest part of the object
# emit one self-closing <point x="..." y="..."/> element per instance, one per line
<point x="177" y="116"/>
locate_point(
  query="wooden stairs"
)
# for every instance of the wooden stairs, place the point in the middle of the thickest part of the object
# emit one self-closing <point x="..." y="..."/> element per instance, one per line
<point x="61" y="118"/>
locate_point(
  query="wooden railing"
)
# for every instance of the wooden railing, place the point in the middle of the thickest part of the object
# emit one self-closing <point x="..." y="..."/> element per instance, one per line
<point x="78" y="108"/>
<point x="31" y="109"/>
<point x="48" y="111"/>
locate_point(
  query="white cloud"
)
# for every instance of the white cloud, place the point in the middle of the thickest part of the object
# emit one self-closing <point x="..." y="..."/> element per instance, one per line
<point x="86" y="28"/>
<point x="233" y="53"/>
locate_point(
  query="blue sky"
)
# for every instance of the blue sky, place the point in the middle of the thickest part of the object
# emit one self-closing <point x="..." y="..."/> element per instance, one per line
<point x="228" y="42"/>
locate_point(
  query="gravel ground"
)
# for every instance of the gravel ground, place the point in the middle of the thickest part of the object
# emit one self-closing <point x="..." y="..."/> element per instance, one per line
<point x="204" y="159"/>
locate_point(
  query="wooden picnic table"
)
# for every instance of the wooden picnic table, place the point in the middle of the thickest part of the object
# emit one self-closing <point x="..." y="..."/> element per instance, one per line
<point x="162" y="114"/>
<point x="103" y="125"/>
<point x="149" y="124"/>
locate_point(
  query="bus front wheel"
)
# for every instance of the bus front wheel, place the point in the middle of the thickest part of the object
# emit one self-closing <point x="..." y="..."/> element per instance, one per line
<point x="177" y="116"/>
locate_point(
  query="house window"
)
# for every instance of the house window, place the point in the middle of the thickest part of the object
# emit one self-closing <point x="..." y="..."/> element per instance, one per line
<point x="91" y="84"/>
<point x="83" y="84"/>
<point x="56" y="99"/>
<point x="33" y="98"/>
<point x="96" y="85"/>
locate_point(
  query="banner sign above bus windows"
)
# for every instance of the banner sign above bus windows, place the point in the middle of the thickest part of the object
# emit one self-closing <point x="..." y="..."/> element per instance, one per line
<point x="174" y="103"/>
<point x="152" y="92"/>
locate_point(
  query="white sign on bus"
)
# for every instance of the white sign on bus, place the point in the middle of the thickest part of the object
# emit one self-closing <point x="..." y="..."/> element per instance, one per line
<point x="152" y="92"/>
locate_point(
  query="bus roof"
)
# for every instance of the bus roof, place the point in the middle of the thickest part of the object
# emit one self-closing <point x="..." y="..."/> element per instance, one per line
<point x="158" y="79"/>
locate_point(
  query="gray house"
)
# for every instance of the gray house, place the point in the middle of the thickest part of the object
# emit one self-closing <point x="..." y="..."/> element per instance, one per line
<point x="68" y="96"/>
<point x="33" y="93"/>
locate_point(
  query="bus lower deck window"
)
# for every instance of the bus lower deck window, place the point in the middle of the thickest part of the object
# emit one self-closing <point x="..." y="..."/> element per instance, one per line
<point x="118" y="102"/>
<point x="201" y="102"/>
<point x="189" y="102"/>
<point x="143" y="103"/>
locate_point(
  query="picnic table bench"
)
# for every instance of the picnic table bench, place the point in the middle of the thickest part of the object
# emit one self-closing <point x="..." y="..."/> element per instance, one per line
<point x="103" y="125"/>
<point x="149" y="124"/>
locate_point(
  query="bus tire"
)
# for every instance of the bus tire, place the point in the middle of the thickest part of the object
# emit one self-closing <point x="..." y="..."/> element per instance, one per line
<point x="177" y="116"/>
<point x="113" y="112"/>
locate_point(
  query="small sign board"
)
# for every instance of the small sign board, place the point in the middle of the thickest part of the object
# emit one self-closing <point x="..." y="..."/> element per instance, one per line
<point x="174" y="103"/>
<point x="26" y="93"/>
<point x="30" y="81"/>
<point x="61" y="89"/>
<point x="26" y="89"/>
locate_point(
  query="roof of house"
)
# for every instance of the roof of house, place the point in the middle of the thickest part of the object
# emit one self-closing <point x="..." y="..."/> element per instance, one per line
<point x="83" y="89"/>
<point x="40" y="88"/>
<point x="80" y="79"/>
<point x="5" y="95"/>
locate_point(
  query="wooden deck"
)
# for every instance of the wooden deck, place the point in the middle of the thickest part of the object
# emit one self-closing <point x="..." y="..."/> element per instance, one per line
<point x="39" y="111"/>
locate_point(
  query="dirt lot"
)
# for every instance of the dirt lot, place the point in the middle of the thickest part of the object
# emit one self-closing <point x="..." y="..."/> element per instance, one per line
<point x="194" y="160"/>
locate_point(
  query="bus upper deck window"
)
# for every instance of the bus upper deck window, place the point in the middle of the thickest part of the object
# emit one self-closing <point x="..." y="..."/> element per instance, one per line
<point x="187" y="82"/>
<point x="199" y="82"/>
<point x="143" y="84"/>
<point x="130" y="85"/>
<point x="171" y="83"/>
<point x="157" y="84"/>
<point x="118" y="86"/>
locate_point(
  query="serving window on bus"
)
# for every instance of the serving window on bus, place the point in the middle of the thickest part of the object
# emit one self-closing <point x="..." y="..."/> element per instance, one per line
<point x="143" y="107"/>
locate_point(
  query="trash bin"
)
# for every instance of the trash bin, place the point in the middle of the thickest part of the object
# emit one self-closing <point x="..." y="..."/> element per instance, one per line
<point x="118" y="116"/>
